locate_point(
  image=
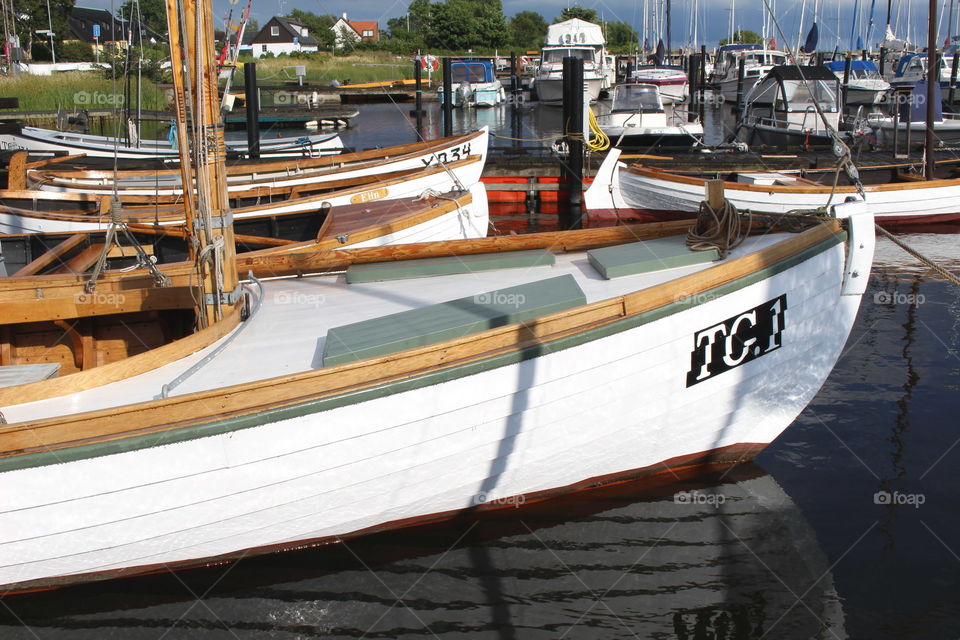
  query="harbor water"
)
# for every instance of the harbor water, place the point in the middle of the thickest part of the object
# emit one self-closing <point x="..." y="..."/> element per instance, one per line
<point x="845" y="527"/>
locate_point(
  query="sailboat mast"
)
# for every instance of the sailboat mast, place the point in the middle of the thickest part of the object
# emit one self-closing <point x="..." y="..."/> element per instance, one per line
<point x="212" y="226"/>
<point x="933" y="78"/>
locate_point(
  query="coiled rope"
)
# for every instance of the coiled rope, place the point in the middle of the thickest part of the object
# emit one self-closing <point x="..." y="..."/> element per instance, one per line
<point x="722" y="230"/>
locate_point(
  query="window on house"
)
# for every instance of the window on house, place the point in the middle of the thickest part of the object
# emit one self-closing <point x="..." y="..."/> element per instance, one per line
<point x="274" y="31"/>
<point x="303" y="32"/>
<point x="368" y="33"/>
<point x="263" y="48"/>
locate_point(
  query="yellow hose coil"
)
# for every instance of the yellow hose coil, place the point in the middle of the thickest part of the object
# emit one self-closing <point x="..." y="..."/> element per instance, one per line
<point x="599" y="141"/>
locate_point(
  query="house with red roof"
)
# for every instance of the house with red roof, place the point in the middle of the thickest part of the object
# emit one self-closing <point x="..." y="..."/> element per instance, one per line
<point x="352" y="31"/>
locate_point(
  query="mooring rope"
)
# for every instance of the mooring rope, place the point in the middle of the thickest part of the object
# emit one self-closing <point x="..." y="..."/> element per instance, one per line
<point x="722" y="230"/>
<point x="919" y="256"/>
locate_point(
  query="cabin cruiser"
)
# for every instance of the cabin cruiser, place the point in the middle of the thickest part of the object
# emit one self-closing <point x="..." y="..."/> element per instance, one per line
<point x="865" y="85"/>
<point x="475" y="84"/>
<point x="912" y="68"/>
<point x="637" y="119"/>
<point x="782" y="109"/>
<point x="573" y="37"/>
<point x="911" y="114"/>
<point x="671" y="80"/>
<point x="549" y="77"/>
<point x="757" y="62"/>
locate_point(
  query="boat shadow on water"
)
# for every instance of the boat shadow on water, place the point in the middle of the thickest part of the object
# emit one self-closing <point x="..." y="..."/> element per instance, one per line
<point x="722" y="555"/>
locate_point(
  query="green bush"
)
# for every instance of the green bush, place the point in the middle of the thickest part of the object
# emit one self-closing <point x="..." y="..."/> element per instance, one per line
<point x="75" y="51"/>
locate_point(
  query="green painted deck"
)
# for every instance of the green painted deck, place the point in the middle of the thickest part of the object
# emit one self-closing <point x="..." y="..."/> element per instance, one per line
<point x="426" y="267"/>
<point x="451" y="319"/>
<point x="646" y="256"/>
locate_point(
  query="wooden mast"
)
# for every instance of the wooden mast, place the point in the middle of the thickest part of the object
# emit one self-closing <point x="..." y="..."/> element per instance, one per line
<point x="208" y="212"/>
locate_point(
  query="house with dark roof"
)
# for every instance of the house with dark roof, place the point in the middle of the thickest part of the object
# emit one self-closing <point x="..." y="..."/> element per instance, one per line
<point x="282" y="35"/>
<point x="99" y="28"/>
<point x="352" y="31"/>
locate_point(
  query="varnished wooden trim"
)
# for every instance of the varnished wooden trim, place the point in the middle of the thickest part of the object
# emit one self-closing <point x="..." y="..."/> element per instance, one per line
<point x="793" y="189"/>
<point x="283" y="391"/>
<point x="121" y="369"/>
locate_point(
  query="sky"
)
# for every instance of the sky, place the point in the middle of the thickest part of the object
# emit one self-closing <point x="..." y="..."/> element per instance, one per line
<point x="713" y="23"/>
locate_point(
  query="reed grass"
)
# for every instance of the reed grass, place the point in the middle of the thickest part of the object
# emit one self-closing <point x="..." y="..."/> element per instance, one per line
<point x="75" y="91"/>
<point x="375" y="66"/>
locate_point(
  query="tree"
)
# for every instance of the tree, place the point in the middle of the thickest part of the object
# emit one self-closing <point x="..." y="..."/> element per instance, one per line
<point x="253" y="26"/>
<point x="527" y="30"/>
<point x="31" y="16"/>
<point x="577" y="12"/>
<point x="152" y="13"/>
<point x="743" y="37"/>
<point x="464" y="24"/>
<point x="317" y="26"/>
<point x="620" y="35"/>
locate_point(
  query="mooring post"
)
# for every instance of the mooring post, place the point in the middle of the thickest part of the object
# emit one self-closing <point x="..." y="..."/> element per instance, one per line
<point x="573" y="107"/>
<point x="447" y="98"/>
<point x="953" y="78"/>
<point x="418" y="87"/>
<point x="693" y="80"/>
<point x="740" y="72"/>
<point x="883" y="59"/>
<point x="253" y="109"/>
<point x="846" y="81"/>
<point x="715" y="197"/>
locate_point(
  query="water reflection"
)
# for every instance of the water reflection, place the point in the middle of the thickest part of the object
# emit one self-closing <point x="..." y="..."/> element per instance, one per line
<point x="726" y="558"/>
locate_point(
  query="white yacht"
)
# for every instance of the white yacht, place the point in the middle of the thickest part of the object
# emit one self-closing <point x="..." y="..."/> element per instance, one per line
<point x="757" y="62"/>
<point x="581" y="39"/>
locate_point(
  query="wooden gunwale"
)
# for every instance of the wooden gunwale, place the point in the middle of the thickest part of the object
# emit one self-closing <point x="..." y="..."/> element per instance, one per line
<point x="793" y="189"/>
<point x="125" y="368"/>
<point x="356" y="230"/>
<point x="267" y="264"/>
<point x="174" y="214"/>
<point x="276" y="393"/>
<point x="288" y="166"/>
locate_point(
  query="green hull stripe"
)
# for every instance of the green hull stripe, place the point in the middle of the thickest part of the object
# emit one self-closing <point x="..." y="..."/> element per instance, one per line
<point x="389" y="388"/>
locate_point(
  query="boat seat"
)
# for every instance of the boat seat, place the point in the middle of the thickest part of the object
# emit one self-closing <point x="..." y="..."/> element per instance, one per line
<point x="13" y="374"/>
<point x="647" y="256"/>
<point x="425" y="267"/>
<point x="451" y="319"/>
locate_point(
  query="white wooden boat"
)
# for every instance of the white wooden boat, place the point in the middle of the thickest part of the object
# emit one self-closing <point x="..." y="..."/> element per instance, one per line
<point x="325" y="415"/>
<point x="702" y="554"/>
<point x="39" y="141"/>
<point x="792" y="106"/>
<point x="267" y="178"/>
<point x="429" y="216"/>
<point x="43" y="212"/>
<point x="637" y="119"/>
<point x="624" y="192"/>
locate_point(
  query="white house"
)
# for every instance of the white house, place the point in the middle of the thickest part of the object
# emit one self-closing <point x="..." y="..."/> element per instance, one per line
<point x="347" y="31"/>
<point x="282" y="35"/>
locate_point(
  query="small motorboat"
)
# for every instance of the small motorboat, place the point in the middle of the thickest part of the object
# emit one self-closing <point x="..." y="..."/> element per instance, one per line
<point x="638" y="118"/>
<point x="671" y="80"/>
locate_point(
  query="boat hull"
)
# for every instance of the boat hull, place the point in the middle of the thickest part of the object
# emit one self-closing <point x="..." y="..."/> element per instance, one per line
<point x="895" y="204"/>
<point x="550" y="90"/>
<point x="481" y="434"/>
